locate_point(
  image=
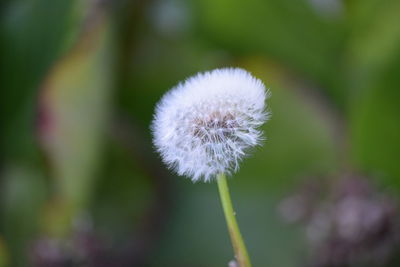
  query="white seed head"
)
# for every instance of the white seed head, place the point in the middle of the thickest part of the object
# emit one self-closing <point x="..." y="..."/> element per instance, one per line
<point x="205" y="125"/>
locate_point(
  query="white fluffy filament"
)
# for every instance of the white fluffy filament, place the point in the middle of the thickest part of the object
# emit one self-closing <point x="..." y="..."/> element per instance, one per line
<point x="205" y="125"/>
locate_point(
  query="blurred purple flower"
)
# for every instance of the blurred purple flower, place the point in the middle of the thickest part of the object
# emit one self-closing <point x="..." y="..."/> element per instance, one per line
<point x="348" y="223"/>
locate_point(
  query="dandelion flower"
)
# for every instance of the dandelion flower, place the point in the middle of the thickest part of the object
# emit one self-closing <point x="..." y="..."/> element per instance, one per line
<point x="205" y="125"/>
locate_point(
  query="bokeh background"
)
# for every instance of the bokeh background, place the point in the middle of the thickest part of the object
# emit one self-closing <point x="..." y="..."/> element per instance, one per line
<point x="81" y="185"/>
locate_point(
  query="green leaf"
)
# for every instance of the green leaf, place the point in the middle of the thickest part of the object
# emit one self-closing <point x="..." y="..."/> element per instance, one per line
<point x="74" y="106"/>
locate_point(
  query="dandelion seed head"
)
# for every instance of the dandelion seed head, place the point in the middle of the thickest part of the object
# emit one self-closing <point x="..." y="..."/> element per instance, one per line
<point x="206" y="124"/>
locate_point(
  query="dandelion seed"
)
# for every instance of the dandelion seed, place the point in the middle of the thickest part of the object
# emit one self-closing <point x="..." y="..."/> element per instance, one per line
<point x="205" y="125"/>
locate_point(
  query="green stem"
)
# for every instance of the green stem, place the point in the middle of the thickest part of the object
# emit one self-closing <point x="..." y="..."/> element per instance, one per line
<point x="239" y="247"/>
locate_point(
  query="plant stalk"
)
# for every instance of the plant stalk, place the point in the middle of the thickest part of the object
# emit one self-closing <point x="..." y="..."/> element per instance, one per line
<point x="239" y="247"/>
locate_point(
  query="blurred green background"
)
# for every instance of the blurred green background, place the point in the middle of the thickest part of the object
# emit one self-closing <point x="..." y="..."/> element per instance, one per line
<point x="80" y="183"/>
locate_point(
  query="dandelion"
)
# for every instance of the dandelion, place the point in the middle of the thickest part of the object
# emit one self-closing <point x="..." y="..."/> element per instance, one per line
<point x="205" y="126"/>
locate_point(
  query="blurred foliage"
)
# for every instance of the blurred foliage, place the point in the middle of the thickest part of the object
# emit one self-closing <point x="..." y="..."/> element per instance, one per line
<point x="67" y="106"/>
<point x="80" y="81"/>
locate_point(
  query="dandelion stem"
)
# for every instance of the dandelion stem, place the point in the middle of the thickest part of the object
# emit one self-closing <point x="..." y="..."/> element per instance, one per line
<point x="239" y="247"/>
